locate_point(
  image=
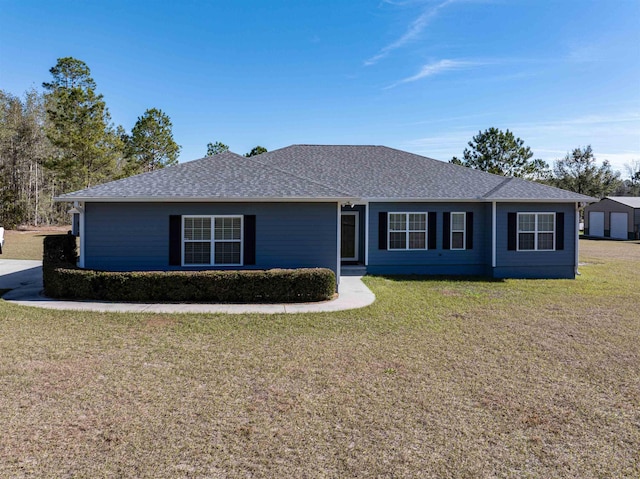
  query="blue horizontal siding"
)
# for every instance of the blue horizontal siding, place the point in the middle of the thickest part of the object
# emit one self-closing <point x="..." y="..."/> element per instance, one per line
<point x="477" y="261"/>
<point x="535" y="272"/>
<point x="135" y="236"/>
<point x="431" y="270"/>
<point x="432" y="261"/>
<point x="535" y="264"/>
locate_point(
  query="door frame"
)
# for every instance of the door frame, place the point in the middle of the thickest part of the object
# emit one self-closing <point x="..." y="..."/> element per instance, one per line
<point x="356" y="236"/>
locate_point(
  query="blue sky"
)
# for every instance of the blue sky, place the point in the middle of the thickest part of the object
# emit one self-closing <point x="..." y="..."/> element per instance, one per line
<point x="422" y="76"/>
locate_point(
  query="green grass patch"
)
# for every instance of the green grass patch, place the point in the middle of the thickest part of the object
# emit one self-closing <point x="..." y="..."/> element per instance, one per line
<point x="438" y="378"/>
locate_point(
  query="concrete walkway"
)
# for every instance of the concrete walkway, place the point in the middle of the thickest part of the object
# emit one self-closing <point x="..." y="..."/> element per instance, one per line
<point x="24" y="278"/>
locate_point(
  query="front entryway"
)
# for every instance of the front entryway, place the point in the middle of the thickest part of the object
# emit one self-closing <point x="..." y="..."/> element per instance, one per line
<point x="349" y="226"/>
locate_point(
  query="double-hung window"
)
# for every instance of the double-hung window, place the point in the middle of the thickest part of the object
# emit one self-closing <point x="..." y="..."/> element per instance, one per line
<point x="536" y="231"/>
<point x="407" y="231"/>
<point x="458" y="230"/>
<point x="212" y="240"/>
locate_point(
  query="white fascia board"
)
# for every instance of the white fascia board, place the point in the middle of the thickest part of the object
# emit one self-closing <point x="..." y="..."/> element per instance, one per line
<point x="534" y="200"/>
<point x="468" y="200"/>
<point x="155" y="199"/>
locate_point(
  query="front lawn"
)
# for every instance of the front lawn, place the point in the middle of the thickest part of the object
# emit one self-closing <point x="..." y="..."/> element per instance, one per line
<point x="437" y="378"/>
<point x="26" y="243"/>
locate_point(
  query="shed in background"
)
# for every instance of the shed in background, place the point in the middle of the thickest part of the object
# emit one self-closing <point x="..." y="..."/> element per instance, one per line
<point x="615" y="217"/>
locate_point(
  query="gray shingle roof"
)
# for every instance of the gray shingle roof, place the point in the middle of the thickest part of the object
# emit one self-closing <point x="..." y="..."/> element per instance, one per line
<point x="379" y="172"/>
<point x="223" y="176"/>
<point x="323" y="172"/>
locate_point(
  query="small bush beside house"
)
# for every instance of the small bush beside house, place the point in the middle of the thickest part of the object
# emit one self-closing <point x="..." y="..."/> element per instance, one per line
<point x="62" y="279"/>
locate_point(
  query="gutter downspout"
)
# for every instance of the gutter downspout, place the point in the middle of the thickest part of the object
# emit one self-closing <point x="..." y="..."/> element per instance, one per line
<point x="577" y="235"/>
<point x="80" y="207"/>
<point x="493" y="235"/>
<point x="338" y="223"/>
<point x="366" y="234"/>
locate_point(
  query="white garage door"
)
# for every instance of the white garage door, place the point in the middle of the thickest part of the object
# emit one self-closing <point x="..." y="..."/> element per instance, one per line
<point x="596" y="223"/>
<point x="619" y="223"/>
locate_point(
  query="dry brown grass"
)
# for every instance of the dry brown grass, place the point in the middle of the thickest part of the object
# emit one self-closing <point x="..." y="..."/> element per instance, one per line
<point x="26" y="242"/>
<point x="436" y="379"/>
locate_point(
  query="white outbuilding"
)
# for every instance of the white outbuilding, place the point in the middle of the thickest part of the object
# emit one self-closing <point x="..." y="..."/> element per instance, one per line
<point x="615" y="217"/>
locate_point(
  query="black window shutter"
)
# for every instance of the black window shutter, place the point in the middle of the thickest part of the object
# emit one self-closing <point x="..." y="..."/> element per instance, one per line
<point x="560" y="231"/>
<point x="249" y="239"/>
<point x="512" y="223"/>
<point x="446" y="230"/>
<point x="382" y="230"/>
<point x="469" y="230"/>
<point x="175" y="240"/>
<point x="432" y="230"/>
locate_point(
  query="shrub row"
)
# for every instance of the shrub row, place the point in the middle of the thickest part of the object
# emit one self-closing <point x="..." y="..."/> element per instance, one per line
<point x="59" y="251"/>
<point x="63" y="280"/>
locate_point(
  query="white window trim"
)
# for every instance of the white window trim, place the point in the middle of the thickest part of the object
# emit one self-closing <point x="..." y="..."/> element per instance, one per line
<point x="463" y="230"/>
<point x="407" y="230"/>
<point x="213" y="241"/>
<point x="535" y="232"/>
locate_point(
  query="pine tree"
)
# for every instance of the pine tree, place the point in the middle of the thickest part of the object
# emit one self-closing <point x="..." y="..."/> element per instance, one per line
<point x="79" y="127"/>
<point x="215" y="148"/>
<point x="501" y="153"/>
<point x="151" y="145"/>
<point x="578" y="172"/>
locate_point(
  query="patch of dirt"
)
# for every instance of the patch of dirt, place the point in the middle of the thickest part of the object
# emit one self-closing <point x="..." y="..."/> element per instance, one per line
<point x="160" y="321"/>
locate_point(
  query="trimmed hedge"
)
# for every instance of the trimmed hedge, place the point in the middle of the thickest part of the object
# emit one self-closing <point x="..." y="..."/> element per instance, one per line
<point x="64" y="280"/>
<point x="59" y="251"/>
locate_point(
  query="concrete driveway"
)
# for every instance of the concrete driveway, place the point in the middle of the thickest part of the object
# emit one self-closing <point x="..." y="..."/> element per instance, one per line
<point x="20" y="273"/>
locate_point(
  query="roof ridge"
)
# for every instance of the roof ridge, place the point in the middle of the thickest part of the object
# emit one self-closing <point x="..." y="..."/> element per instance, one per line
<point x="267" y="165"/>
<point x="422" y="157"/>
<point x="351" y="145"/>
<point x="498" y="187"/>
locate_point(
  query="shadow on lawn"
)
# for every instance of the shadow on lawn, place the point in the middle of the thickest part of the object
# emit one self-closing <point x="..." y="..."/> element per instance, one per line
<point x="438" y="278"/>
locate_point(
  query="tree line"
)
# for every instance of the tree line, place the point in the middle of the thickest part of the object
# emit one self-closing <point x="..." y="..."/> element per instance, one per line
<point x="501" y="153"/>
<point x="62" y="139"/>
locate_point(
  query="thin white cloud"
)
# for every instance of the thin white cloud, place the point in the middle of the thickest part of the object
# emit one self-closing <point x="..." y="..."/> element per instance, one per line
<point x="614" y="137"/>
<point x="414" y="30"/>
<point x="435" y="68"/>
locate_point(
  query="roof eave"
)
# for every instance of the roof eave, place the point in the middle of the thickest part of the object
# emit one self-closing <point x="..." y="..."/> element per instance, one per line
<point x="173" y="199"/>
<point x="478" y="200"/>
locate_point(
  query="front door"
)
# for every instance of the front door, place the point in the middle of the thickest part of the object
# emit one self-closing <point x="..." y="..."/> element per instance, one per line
<point x="349" y="236"/>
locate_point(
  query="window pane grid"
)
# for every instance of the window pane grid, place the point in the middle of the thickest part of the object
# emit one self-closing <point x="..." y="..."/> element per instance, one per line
<point x="397" y="222"/>
<point x="197" y="229"/>
<point x="417" y="240"/>
<point x="417" y="222"/>
<point x="457" y="240"/>
<point x="545" y="223"/>
<point x="397" y="240"/>
<point x="457" y="221"/>
<point x="407" y="231"/>
<point x="536" y="231"/>
<point x="227" y="253"/>
<point x="225" y="246"/>
<point x="527" y="223"/>
<point x="458" y="226"/>
<point x="227" y="229"/>
<point x="197" y="253"/>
